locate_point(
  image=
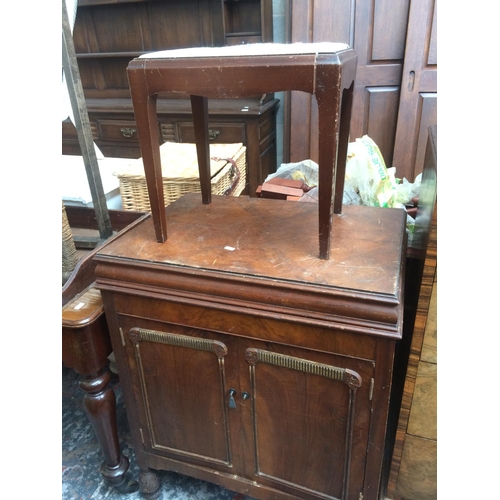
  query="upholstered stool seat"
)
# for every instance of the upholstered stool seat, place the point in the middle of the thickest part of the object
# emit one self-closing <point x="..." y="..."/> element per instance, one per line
<point x="325" y="70"/>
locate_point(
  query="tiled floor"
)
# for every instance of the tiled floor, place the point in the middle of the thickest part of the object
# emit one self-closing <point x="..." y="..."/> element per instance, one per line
<point x="81" y="456"/>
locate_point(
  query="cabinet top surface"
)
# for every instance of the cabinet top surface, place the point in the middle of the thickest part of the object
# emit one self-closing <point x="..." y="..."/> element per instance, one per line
<point x="271" y="239"/>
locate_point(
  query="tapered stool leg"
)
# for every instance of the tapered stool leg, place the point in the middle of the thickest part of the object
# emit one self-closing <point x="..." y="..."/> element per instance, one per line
<point x="345" y="123"/>
<point x="199" y="107"/>
<point x="328" y="110"/>
<point x="149" y="140"/>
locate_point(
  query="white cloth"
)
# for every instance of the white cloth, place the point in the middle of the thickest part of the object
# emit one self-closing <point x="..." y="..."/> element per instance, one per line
<point x="179" y="160"/>
<point x="74" y="182"/>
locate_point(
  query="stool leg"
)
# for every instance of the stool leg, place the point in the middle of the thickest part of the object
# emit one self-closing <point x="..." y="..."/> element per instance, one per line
<point x="149" y="139"/>
<point x="199" y="107"/>
<point x="328" y="126"/>
<point x="334" y="118"/>
<point x="345" y="123"/>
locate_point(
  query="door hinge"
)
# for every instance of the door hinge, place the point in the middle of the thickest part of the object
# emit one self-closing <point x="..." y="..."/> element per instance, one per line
<point x="372" y="383"/>
<point x="142" y="435"/>
<point x="361" y="493"/>
<point x="122" y="336"/>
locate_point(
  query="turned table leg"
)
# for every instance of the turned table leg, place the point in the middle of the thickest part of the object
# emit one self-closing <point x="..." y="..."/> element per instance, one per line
<point x="86" y="346"/>
<point x="100" y="407"/>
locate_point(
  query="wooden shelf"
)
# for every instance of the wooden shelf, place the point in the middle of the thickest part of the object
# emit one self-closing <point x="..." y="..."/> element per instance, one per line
<point x="93" y="55"/>
<point x="245" y="33"/>
<point x="91" y="3"/>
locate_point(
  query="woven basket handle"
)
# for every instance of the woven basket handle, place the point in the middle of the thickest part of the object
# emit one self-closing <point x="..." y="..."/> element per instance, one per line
<point x="236" y="179"/>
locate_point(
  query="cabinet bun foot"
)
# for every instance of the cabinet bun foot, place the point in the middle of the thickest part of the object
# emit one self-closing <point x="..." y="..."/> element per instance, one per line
<point x="149" y="484"/>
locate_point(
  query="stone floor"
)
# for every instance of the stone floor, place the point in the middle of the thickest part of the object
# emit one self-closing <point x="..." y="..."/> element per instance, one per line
<point x="81" y="456"/>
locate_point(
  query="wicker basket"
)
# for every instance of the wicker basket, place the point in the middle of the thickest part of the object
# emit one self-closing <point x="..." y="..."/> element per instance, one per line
<point x="180" y="174"/>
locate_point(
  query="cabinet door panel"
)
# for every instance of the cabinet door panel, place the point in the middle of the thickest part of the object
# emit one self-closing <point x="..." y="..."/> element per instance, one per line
<point x="180" y="383"/>
<point x="327" y="411"/>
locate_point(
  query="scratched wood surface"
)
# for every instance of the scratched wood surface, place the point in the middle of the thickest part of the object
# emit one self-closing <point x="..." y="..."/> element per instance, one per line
<point x="275" y="239"/>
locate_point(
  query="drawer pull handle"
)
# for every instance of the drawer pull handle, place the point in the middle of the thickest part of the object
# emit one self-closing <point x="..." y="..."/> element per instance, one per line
<point x="232" y="402"/>
<point x="127" y="131"/>
<point x="213" y="134"/>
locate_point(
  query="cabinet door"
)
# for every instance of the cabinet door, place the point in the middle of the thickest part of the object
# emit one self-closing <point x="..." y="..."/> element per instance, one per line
<point x="180" y="384"/>
<point x="310" y="417"/>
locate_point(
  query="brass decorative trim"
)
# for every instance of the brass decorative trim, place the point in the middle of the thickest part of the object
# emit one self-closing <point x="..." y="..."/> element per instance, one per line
<point x="140" y="334"/>
<point x="213" y="134"/>
<point x="348" y="377"/>
<point x="128" y="131"/>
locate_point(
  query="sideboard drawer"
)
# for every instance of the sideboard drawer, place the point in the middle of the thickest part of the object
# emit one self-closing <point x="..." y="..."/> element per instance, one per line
<point x="118" y="130"/>
<point x="242" y="39"/>
<point x="225" y="133"/>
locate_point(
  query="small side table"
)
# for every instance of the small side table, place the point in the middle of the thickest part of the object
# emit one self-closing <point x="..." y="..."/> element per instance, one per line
<point x="325" y="70"/>
<point x="86" y="345"/>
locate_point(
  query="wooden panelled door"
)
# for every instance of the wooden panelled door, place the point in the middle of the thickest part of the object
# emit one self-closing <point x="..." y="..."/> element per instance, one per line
<point x="376" y="29"/>
<point x="418" y="103"/>
<point x="387" y="48"/>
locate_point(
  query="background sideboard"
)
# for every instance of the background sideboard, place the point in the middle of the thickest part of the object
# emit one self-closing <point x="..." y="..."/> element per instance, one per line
<point x="108" y="34"/>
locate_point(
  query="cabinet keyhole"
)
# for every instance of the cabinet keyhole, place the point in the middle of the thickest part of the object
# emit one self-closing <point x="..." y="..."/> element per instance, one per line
<point x="232" y="402"/>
